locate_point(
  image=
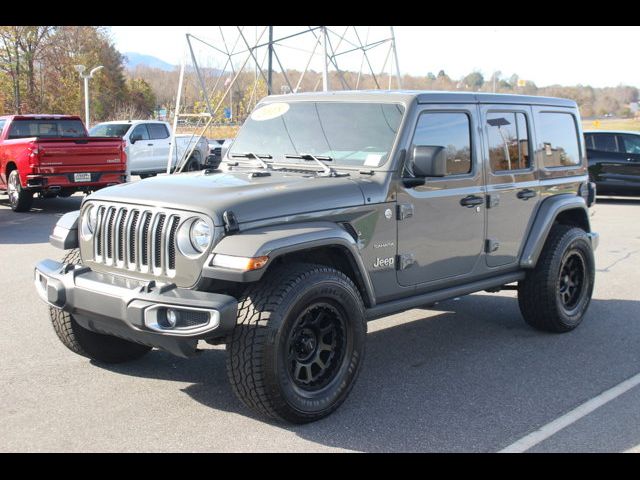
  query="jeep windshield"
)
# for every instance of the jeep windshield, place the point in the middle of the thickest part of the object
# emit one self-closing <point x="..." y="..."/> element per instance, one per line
<point x="351" y="134"/>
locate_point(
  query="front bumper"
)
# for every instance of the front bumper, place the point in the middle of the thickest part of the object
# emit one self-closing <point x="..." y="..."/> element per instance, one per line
<point x="129" y="309"/>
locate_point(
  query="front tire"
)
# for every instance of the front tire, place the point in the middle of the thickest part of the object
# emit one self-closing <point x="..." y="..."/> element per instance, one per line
<point x="555" y="295"/>
<point x="297" y="348"/>
<point x="19" y="198"/>
<point x="96" y="346"/>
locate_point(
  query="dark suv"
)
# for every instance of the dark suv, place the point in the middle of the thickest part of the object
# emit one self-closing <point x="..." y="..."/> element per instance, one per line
<point x="614" y="161"/>
<point x="333" y="209"/>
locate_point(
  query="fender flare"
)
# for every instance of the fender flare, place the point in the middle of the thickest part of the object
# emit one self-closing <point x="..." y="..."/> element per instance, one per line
<point x="547" y="213"/>
<point x="278" y="240"/>
<point x="65" y="233"/>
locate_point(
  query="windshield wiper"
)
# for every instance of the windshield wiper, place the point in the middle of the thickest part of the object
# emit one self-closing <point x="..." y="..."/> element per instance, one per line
<point x="257" y="156"/>
<point x="326" y="170"/>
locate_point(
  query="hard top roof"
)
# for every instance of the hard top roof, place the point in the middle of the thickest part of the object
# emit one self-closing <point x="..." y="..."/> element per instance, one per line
<point x="423" y="96"/>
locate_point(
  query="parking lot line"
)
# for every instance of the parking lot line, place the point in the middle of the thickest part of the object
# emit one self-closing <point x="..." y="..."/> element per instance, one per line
<point x="534" y="438"/>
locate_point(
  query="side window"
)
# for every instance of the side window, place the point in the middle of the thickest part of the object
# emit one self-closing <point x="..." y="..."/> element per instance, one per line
<point x="450" y="130"/>
<point x="2" y="122"/>
<point x="559" y="136"/>
<point x="605" y="142"/>
<point x="140" y="130"/>
<point x="157" y="131"/>
<point x="508" y="141"/>
<point x="631" y="143"/>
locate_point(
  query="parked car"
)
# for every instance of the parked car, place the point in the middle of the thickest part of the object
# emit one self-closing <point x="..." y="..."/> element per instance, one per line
<point x="51" y="155"/>
<point x="614" y="161"/>
<point x="336" y="209"/>
<point x="217" y="148"/>
<point x="148" y="143"/>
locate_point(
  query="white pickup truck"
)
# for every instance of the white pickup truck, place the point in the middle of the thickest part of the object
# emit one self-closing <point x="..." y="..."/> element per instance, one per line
<point x="148" y="143"/>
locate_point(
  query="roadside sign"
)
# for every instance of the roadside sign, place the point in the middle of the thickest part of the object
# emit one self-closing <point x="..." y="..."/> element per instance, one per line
<point x="596" y="124"/>
<point x="227" y="113"/>
<point x="522" y="82"/>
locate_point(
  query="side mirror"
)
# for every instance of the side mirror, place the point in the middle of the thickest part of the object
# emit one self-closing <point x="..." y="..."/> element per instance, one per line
<point x="134" y="138"/>
<point x="428" y="161"/>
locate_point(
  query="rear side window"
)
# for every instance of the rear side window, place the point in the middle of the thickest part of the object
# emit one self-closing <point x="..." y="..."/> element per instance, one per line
<point x="450" y="130"/>
<point x="2" y="122"/>
<point x="508" y="141"/>
<point x="605" y="142"/>
<point x="631" y="143"/>
<point x="46" y="129"/>
<point x="157" y="131"/>
<point x="141" y="131"/>
<point x="559" y="137"/>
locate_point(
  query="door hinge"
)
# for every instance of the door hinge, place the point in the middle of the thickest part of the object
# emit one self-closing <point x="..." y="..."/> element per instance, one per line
<point x="405" y="210"/>
<point x="405" y="260"/>
<point x="491" y="245"/>
<point x="493" y="200"/>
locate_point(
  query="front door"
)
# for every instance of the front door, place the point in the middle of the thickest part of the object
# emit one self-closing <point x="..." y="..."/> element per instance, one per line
<point x="512" y="183"/>
<point x="443" y="238"/>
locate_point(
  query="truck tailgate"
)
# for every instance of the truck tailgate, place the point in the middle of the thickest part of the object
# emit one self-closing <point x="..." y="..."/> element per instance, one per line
<point x="79" y="151"/>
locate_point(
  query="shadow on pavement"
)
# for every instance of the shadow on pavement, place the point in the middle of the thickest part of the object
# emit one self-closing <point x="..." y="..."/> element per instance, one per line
<point x="474" y="377"/>
<point x="36" y="225"/>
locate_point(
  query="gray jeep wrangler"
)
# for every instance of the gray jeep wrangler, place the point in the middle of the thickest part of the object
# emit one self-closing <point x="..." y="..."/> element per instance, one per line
<point x="333" y="209"/>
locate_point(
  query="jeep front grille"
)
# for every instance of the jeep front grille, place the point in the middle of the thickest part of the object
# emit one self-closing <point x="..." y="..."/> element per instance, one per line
<point x="139" y="239"/>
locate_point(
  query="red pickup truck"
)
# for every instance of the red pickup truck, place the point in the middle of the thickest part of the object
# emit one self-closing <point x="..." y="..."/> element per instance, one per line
<point x="53" y="155"/>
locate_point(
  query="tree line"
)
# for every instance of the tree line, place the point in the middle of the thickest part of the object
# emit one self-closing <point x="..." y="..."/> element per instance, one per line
<point x="37" y="73"/>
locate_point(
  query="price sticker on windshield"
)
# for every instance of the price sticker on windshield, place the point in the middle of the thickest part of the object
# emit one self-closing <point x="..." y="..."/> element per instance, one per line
<point x="270" y="111"/>
<point x="373" y="160"/>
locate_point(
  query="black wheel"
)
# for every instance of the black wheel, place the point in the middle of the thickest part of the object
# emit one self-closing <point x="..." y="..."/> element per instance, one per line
<point x="19" y="198"/>
<point x="299" y="343"/>
<point x="193" y="164"/>
<point x="555" y="295"/>
<point x="103" y="348"/>
<point x="147" y="175"/>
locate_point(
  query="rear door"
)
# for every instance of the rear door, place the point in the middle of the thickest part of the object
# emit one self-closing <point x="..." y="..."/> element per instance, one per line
<point x="140" y="154"/>
<point x="607" y="160"/>
<point x="512" y="183"/>
<point x="159" y="134"/>
<point x="630" y="145"/>
<point x="2" y="159"/>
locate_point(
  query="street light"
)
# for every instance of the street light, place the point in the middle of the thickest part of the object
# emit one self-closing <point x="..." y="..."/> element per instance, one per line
<point x="81" y="69"/>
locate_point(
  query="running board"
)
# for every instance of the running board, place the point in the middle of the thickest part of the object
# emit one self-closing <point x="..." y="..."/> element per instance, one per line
<point x="400" y="305"/>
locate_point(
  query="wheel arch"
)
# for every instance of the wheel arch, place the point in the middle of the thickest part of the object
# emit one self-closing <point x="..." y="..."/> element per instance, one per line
<point x="323" y="243"/>
<point x="558" y="209"/>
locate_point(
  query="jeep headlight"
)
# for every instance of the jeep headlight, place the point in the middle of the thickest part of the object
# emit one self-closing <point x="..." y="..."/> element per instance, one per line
<point x="89" y="221"/>
<point x="200" y="235"/>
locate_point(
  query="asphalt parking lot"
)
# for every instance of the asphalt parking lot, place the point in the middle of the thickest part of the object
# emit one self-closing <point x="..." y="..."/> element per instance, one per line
<point x="468" y="375"/>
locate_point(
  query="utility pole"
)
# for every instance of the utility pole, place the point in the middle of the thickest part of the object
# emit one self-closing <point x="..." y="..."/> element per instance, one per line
<point x="325" y="66"/>
<point x="81" y="69"/>
<point x="270" y="63"/>
<point x="395" y="56"/>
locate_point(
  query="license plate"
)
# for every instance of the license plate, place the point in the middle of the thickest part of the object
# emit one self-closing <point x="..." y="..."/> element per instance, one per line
<point x="82" y="177"/>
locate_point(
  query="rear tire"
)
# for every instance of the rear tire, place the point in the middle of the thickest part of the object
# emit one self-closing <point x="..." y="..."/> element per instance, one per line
<point x="19" y="198"/>
<point x="297" y="348"/>
<point x="96" y="346"/>
<point x="555" y="295"/>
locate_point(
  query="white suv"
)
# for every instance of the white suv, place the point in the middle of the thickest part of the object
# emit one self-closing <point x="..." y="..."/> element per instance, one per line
<point x="148" y="143"/>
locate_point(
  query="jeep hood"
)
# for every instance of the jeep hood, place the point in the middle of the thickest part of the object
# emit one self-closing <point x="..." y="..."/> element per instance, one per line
<point x="250" y="197"/>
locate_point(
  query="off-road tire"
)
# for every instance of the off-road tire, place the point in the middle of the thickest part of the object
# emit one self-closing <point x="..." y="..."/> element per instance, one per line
<point x="539" y="294"/>
<point x="96" y="346"/>
<point x="269" y="314"/>
<point x="22" y="199"/>
<point x="193" y="164"/>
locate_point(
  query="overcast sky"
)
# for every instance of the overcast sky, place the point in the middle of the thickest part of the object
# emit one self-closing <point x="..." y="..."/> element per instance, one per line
<point x="596" y="56"/>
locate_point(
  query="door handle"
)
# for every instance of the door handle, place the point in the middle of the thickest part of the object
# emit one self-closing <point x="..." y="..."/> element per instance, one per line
<point x="149" y="144"/>
<point x="471" y="201"/>
<point x="526" y="194"/>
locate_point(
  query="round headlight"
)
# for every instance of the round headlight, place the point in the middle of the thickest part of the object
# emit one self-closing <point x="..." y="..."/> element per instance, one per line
<point x="200" y="235"/>
<point x="89" y="220"/>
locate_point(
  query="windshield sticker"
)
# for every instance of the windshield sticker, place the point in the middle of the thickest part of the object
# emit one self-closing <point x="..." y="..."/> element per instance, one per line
<point x="270" y="111"/>
<point x="372" y="160"/>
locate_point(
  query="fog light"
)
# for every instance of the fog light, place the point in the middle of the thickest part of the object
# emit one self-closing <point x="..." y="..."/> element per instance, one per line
<point x="172" y="318"/>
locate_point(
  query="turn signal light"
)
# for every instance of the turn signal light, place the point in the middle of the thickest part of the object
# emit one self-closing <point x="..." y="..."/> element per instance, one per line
<point x="244" y="264"/>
